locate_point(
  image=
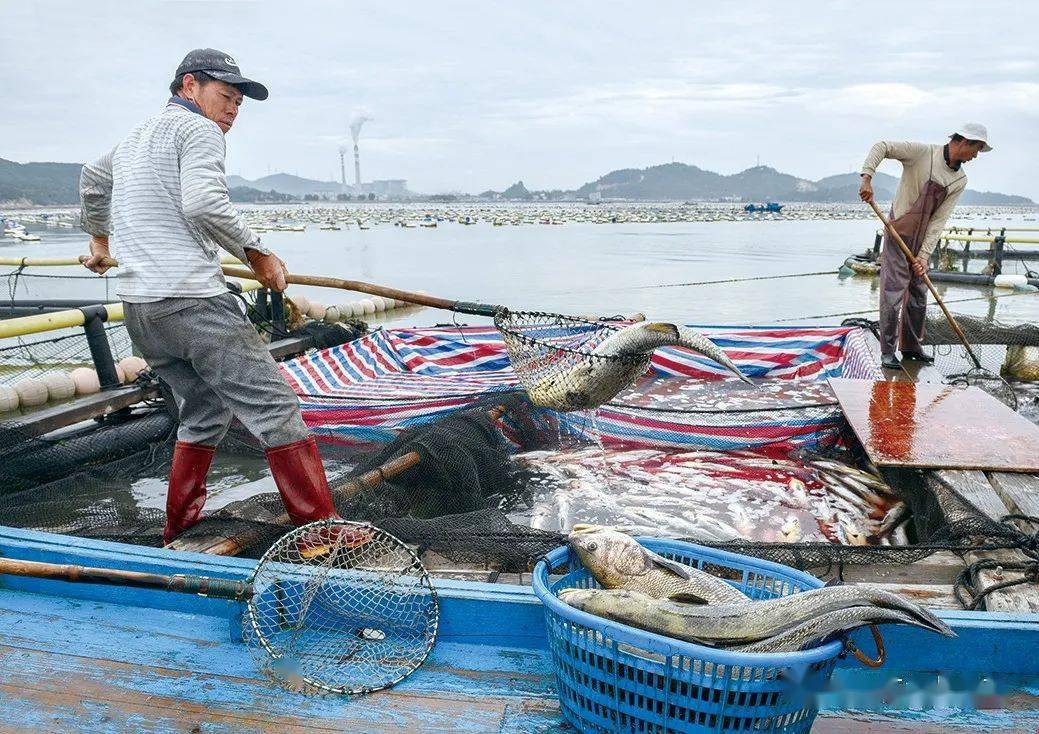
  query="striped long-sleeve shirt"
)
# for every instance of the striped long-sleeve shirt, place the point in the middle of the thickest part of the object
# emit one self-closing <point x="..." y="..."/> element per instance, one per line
<point x="161" y="196"/>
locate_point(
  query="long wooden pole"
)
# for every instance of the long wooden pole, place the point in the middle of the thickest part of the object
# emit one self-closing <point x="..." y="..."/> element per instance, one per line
<point x="201" y="585"/>
<point x="322" y="281"/>
<point x="930" y="286"/>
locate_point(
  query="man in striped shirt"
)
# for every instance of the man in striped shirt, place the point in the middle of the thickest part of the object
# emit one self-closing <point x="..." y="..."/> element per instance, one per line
<point x="160" y="198"/>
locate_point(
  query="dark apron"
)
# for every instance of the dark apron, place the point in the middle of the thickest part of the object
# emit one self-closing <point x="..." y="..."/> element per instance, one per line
<point x="902" y="293"/>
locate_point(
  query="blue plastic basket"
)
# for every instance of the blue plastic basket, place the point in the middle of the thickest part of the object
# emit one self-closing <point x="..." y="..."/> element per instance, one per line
<point x="615" y="678"/>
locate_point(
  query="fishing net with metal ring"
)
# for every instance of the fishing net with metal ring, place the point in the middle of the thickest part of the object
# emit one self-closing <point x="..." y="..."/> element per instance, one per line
<point x="988" y="381"/>
<point x="554" y="360"/>
<point x="341" y="607"/>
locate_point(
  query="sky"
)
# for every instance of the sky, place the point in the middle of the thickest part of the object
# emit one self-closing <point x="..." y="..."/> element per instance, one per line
<point x="467" y="96"/>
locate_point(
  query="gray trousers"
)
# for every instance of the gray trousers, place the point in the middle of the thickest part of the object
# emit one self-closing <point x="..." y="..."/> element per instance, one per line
<point x="217" y="367"/>
<point x="903" y="301"/>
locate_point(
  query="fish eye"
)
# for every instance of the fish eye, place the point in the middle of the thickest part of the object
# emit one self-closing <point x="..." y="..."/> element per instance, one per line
<point x="593" y="546"/>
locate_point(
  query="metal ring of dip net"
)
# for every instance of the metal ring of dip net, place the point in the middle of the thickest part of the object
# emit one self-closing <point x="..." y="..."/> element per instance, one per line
<point x="995" y="385"/>
<point x="553" y="358"/>
<point x="341" y="607"/>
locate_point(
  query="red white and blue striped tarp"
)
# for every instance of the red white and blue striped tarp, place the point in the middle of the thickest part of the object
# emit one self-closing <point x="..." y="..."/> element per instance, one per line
<point x="392" y="379"/>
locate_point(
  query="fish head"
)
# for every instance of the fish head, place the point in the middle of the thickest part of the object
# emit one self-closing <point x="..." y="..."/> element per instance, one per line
<point x="609" y="555"/>
<point x="693" y="339"/>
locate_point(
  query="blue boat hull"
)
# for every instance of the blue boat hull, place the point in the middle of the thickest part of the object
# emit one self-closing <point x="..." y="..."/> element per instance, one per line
<point x="102" y="659"/>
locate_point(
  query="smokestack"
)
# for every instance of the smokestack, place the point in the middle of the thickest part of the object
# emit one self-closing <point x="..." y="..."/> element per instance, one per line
<point x="355" y="133"/>
<point x="342" y="168"/>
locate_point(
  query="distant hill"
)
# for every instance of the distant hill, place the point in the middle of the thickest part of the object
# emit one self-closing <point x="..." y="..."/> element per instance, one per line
<point x="679" y="181"/>
<point x="58" y="184"/>
<point x="249" y="195"/>
<point x="39" y="183"/>
<point x="285" y="183"/>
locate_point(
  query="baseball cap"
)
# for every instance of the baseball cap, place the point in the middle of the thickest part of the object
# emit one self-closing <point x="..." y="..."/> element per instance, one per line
<point x="222" y="66"/>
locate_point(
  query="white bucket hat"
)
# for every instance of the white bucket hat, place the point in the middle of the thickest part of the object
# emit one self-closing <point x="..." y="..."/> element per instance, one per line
<point x="974" y="131"/>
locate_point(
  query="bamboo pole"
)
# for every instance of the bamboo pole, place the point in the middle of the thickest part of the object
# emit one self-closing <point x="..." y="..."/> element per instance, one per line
<point x="43" y="322"/>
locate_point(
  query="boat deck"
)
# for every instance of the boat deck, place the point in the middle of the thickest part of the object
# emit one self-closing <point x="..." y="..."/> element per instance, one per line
<point x="76" y="657"/>
<point x="68" y="665"/>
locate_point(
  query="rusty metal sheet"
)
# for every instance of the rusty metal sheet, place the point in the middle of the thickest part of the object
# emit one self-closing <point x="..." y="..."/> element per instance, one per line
<point x="933" y="426"/>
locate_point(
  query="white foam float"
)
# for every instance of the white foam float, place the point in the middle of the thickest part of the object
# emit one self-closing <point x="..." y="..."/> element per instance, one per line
<point x="316" y="310"/>
<point x="368" y="305"/>
<point x="31" y="392"/>
<point x="354" y="308"/>
<point x="1010" y="280"/>
<point x="332" y="315"/>
<point x="60" y="385"/>
<point x="86" y="381"/>
<point x="132" y="367"/>
<point x="8" y="399"/>
<point x="120" y="373"/>
<point x="380" y="303"/>
<point x="302" y="303"/>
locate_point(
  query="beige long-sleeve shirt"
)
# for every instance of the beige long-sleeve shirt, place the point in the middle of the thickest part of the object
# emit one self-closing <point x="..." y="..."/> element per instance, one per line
<point x="921" y="162"/>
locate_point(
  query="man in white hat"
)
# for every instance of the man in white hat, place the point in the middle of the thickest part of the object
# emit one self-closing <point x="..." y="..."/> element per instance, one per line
<point x="932" y="181"/>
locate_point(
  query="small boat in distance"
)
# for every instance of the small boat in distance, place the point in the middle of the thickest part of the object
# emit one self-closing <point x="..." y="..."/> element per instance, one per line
<point x="770" y="207"/>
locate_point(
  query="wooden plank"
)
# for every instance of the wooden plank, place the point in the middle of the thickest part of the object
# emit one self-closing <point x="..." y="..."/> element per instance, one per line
<point x="79" y="409"/>
<point x="921" y="372"/>
<point x="1020" y="492"/>
<point x="926" y="425"/>
<point x="97" y="695"/>
<point x="974" y="488"/>
<point x="938" y="568"/>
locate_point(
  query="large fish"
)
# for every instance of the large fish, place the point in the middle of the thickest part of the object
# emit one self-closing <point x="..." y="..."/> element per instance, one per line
<point x="826" y="625"/>
<point x="616" y="363"/>
<point x="740" y="623"/>
<point x="620" y="562"/>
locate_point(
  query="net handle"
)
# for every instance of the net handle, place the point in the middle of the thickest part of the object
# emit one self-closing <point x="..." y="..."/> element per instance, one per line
<point x="199" y="585"/>
<point x="930" y="286"/>
<point x="322" y="281"/>
<point x="359" y="286"/>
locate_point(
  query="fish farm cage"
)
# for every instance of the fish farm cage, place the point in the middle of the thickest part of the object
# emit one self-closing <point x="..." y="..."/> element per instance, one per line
<point x="458" y="495"/>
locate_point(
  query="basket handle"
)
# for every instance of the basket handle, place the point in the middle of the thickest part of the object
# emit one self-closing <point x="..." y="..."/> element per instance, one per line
<point x="862" y="657"/>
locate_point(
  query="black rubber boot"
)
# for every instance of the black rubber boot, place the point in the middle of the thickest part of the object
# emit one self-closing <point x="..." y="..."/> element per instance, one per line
<point x="890" y="362"/>
<point x="918" y="357"/>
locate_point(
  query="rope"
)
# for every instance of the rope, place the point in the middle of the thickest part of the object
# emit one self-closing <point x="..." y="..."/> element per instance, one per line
<point x="696" y="283"/>
<point x="968" y="588"/>
<point x="874" y="310"/>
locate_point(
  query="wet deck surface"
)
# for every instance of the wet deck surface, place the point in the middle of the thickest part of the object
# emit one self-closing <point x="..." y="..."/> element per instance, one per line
<point x="73" y="665"/>
<point x="928" y="425"/>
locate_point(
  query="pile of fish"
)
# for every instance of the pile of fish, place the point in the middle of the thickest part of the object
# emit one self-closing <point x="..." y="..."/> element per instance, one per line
<point x="645" y="590"/>
<point x="709" y="496"/>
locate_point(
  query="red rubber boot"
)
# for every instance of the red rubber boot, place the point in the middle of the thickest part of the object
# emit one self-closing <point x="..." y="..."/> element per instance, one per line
<point x="301" y="480"/>
<point x="186" y="494"/>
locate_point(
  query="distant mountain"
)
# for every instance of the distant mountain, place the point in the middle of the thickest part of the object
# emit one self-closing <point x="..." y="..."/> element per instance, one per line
<point x="39" y="183"/>
<point x="679" y="181"/>
<point x="58" y="184"/>
<point x="285" y="183"/>
<point x="249" y="195"/>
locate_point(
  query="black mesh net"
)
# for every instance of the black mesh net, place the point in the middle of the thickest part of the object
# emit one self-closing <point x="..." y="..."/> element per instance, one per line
<point x="555" y="361"/>
<point x="501" y="482"/>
